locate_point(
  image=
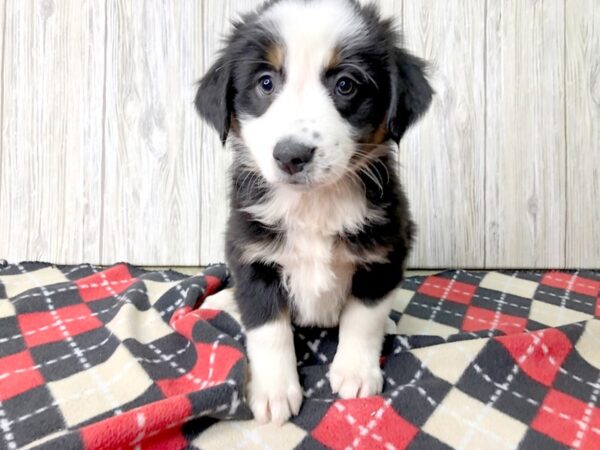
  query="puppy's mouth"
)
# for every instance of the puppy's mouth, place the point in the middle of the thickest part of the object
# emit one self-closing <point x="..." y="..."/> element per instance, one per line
<point x="301" y="181"/>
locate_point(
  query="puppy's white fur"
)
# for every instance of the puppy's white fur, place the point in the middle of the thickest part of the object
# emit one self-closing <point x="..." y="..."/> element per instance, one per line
<point x="274" y="392"/>
<point x="355" y="369"/>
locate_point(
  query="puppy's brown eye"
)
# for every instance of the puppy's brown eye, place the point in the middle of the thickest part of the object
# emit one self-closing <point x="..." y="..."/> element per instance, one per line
<point x="266" y="84"/>
<point x="345" y="86"/>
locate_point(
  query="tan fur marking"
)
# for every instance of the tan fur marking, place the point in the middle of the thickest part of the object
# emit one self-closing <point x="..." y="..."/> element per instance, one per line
<point x="334" y="60"/>
<point x="380" y="134"/>
<point x="235" y="126"/>
<point x="275" y="56"/>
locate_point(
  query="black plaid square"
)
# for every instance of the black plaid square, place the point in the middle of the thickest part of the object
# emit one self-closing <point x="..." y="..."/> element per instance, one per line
<point x="107" y="309"/>
<point x="429" y="308"/>
<point x="503" y="386"/>
<point x="169" y="357"/>
<point x="58" y="360"/>
<point x="11" y="337"/>
<point x="566" y="299"/>
<point x="577" y="377"/>
<point x="535" y="440"/>
<point x="46" y="298"/>
<point x="414" y="391"/>
<point x="76" y="272"/>
<point x="31" y="415"/>
<point x="531" y="275"/>
<point x="179" y="296"/>
<point x="501" y="301"/>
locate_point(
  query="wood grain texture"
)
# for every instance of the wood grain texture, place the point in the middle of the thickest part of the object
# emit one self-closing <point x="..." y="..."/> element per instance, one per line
<point x="442" y="156"/>
<point x="2" y="32"/>
<point x="153" y="139"/>
<point x="525" y="146"/>
<point x="103" y="158"/>
<point x="583" y="132"/>
<point x="50" y="188"/>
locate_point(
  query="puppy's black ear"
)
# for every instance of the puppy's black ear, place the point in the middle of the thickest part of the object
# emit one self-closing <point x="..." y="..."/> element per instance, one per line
<point x="411" y="93"/>
<point x="214" y="99"/>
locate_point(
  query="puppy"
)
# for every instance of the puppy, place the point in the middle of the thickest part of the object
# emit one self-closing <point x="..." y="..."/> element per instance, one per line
<point x="312" y="96"/>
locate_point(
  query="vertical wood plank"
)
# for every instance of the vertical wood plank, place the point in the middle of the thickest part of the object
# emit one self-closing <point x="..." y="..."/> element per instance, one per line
<point x="2" y="32"/>
<point x="583" y="132"/>
<point x="217" y="16"/>
<point x="525" y="170"/>
<point x="50" y="189"/>
<point x="442" y="156"/>
<point x="153" y="139"/>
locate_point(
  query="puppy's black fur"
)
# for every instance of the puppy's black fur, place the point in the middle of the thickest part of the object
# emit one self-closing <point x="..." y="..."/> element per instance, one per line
<point x="397" y="94"/>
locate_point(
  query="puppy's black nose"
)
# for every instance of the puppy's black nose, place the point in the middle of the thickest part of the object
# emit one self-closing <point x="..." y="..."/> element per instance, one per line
<point x="292" y="156"/>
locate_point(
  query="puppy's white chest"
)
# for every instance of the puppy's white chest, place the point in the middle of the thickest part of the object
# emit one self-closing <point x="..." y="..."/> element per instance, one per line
<point x="317" y="280"/>
<point x="316" y="270"/>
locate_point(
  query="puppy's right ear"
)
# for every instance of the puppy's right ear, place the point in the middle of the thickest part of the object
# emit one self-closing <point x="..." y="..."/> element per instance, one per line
<point x="214" y="99"/>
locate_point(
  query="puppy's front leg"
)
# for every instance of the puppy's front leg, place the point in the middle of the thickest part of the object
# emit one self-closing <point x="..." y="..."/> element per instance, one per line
<point x="355" y="370"/>
<point x="274" y="391"/>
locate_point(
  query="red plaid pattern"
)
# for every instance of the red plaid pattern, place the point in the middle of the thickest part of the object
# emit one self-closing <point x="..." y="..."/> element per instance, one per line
<point x="52" y="326"/>
<point x="448" y="289"/>
<point x="121" y="358"/>
<point x="22" y="376"/>
<point x="570" y="421"/>
<point x="481" y="319"/>
<point x="107" y="283"/>
<point x="572" y="282"/>
<point x="352" y="424"/>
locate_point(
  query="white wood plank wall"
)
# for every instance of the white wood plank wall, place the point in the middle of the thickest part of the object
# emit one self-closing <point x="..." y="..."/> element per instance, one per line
<point x="102" y="157"/>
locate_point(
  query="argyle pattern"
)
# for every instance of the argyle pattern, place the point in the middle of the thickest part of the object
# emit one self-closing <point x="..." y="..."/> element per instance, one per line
<point x="121" y="357"/>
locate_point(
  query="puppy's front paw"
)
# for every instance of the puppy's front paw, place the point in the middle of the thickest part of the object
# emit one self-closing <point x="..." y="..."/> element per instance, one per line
<point x="352" y="376"/>
<point x="273" y="395"/>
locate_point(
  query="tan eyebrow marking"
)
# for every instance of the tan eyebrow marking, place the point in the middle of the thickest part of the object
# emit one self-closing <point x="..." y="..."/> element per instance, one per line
<point x="335" y="59"/>
<point x="275" y="56"/>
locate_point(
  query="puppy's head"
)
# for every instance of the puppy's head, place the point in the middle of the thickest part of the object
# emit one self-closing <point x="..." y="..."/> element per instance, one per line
<point x="310" y="88"/>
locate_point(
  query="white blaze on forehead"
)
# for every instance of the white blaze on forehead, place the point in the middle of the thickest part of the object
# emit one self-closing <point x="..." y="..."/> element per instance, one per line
<point x="310" y="33"/>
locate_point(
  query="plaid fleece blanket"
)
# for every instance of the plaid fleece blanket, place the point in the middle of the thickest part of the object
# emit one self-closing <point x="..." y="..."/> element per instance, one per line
<point x="121" y="357"/>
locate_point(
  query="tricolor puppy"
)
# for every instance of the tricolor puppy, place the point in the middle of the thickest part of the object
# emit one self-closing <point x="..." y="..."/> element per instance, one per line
<point x="313" y="96"/>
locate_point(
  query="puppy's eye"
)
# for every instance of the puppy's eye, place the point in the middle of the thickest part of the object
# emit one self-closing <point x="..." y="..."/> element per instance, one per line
<point x="345" y="86"/>
<point x="266" y="84"/>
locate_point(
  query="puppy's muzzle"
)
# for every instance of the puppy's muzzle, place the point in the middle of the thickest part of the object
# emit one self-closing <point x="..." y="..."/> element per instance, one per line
<point x="292" y="156"/>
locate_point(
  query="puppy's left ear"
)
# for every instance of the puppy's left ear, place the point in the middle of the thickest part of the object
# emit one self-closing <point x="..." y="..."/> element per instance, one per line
<point x="214" y="99"/>
<point x="411" y="93"/>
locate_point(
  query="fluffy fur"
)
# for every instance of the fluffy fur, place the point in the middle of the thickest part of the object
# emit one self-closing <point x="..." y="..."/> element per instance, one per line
<point x="320" y="238"/>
